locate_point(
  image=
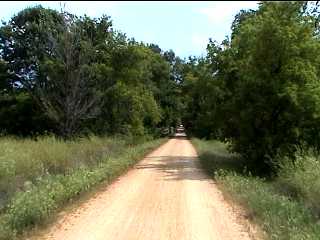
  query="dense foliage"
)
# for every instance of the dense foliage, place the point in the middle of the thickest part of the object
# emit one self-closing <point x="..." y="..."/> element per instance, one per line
<point x="260" y="91"/>
<point x="75" y="75"/>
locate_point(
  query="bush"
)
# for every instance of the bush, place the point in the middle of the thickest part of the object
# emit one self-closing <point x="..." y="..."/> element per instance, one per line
<point x="301" y="179"/>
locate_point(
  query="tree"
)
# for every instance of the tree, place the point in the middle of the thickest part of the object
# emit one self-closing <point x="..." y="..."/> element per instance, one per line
<point x="60" y="60"/>
<point x="25" y="42"/>
<point x="67" y="89"/>
<point x="5" y="85"/>
<point x="239" y="19"/>
<point x="260" y="91"/>
<point x="133" y="109"/>
<point x="270" y="79"/>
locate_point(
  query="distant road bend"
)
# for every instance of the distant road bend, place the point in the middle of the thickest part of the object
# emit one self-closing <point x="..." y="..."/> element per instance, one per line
<point x="164" y="197"/>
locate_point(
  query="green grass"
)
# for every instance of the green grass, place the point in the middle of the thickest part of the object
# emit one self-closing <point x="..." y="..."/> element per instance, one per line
<point x="25" y="160"/>
<point x="301" y="180"/>
<point x="43" y="175"/>
<point x="284" y="207"/>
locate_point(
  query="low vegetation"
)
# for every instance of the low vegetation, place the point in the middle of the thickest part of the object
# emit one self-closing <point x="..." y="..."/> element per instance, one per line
<point x="38" y="177"/>
<point x="286" y="206"/>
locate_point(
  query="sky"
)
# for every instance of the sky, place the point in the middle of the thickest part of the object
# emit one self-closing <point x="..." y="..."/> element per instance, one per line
<point x="184" y="27"/>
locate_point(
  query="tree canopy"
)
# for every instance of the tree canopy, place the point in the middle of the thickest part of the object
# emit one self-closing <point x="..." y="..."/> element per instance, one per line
<point x="83" y="76"/>
<point x="263" y="84"/>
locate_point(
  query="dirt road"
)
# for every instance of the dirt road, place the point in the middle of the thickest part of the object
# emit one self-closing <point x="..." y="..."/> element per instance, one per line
<point x="165" y="197"/>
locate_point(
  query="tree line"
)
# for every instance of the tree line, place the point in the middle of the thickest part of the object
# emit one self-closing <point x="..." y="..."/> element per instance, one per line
<point x="258" y="89"/>
<point x="70" y="75"/>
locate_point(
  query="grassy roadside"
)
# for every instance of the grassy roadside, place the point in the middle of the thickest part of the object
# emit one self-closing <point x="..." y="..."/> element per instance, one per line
<point x="285" y="207"/>
<point x="44" y="192"/>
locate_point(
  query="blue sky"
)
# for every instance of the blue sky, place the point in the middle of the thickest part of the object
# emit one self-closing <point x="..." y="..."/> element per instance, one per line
<point x="184" y="27"/>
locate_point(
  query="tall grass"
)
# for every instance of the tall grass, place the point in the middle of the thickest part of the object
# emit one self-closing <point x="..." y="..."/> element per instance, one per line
<point x="38" y="177"/>
<point x="301" y="180"/>
<point x="23" y="161"/>
<point x="283" y="206"/>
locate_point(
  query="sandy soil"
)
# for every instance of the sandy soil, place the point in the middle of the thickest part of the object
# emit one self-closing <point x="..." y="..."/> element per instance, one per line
<point x="166" y="196"/>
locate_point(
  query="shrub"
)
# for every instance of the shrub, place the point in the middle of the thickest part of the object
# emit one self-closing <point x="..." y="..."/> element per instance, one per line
<point x="301" y="179"/>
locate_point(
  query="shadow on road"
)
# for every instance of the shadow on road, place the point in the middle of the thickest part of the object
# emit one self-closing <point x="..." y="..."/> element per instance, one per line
<point x="176" y="167"/>
<point x="179" y="137"/>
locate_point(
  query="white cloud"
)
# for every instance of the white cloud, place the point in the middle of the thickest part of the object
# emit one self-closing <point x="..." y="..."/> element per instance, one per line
<point x="221" y="14"/>
<point x="224" y="12"/>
